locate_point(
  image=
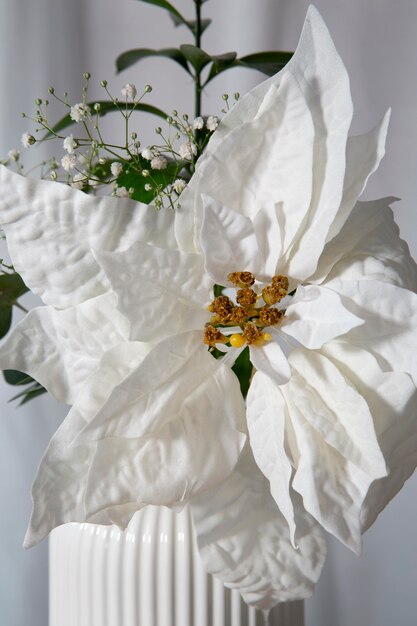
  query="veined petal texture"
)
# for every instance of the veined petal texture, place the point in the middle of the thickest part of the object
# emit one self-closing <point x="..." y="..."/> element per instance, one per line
<point x="244" y="540"/>
<point x="51" y="230"/>
<point x="60" y="349"/>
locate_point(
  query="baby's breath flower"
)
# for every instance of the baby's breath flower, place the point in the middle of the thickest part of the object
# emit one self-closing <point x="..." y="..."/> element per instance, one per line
<point x="188" y="151"/>
<point x="27" y="140"/>
<point x="145" y="173"/>
<point x="212" y="123"/>
<point x="68" y="162"/>
<point x="179" y="185"/>
<point x="159" y="163"/>
<point x="116" y="168"/>
<point x="129" y="91"/>
<point x="198" y="123"/>
<point x="13" y="155"/>
<point x="122" y="192"/>
<point x="70" y="144"/>
<point x="79" y="181"/>
<point x="79" y="112"/>
<point x="148" y="187"/>
<point x="135" y="148"/>
<point x="147" y="154"/>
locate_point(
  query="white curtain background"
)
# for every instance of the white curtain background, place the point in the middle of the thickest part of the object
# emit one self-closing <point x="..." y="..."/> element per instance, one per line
<point x="45" y="42"/>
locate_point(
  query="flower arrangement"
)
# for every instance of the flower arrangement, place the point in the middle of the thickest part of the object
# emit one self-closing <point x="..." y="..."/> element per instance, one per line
<point x="233" y="329"/>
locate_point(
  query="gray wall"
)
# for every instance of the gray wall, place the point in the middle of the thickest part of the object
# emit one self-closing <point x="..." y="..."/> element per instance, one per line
<point x="46" y="42"/>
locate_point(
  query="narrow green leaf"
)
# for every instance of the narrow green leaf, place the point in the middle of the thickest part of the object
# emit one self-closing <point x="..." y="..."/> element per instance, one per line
<point x="13" y="377"/>
<point x="133" y="56"/>
<point x="195" y="56"/>
<point x="5" y="320"/>
<point x="29" y="394"/>
<point x="19" y="379"/>
<point x="269" y="62"/>
<point x="221" y="63"/>
<point x="11" y="288"/>
<point x="243" y="370"/>
<point x="191" y="24"/>
<point x="107" y="106"/>
<point x="163" y="4"/>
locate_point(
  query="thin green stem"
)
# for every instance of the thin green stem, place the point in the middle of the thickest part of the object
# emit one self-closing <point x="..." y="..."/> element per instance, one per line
<point x="197" y="77"/>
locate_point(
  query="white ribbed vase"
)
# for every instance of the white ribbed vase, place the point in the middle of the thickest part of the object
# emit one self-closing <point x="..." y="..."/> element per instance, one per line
<point x="150" y="575"/>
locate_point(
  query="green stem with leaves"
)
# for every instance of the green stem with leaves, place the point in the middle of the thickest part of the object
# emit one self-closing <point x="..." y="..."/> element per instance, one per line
<point x="197" y="78"/>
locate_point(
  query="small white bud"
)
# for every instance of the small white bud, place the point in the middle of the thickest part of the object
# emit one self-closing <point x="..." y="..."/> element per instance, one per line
<point x="159" y="163"/>
<point x="70" y="144"/>
<point x="147" y="154"/>
<point x="129" y="91"/>
<point x="68" y="162"/>
<point x="116" y="168"/>
<point x="27" y="140"/>
<point x="187" y="151"/>
<point x="79" y="181"/>
<point x="198" y="123"/>
<point x="122" y="192"/>
<point x="148" y="187"/>
<point x="13" y="155"/>
<point x="79" y="112"/>
<point x="212" y="123"/>
<point x="179" y="185"/>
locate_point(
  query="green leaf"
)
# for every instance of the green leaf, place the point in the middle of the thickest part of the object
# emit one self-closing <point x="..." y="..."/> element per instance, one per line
<point x="195" y="56"/>
<point x="5" y="320"/>
<point x="243" y="370"/>
<point x="13" y="377"/>
<point x="163" y="4"/>
<point x="17" y="379"/>
<point x="29" y="394"/>
<point x="133" y="56"/>
<point x="221" y="63"/>
<point x="107" y="106"/>
<point x="11" y="288"/>
<point x="132" y="178"/>
<point x="191" y="24"/>
<point x="269" y="62"/>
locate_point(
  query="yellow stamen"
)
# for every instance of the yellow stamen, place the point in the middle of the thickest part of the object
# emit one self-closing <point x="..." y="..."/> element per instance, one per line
<point x="236" y="340"/>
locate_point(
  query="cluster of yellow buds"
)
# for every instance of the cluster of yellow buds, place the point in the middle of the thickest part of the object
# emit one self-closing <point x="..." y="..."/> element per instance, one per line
<point x="251" y="319"/>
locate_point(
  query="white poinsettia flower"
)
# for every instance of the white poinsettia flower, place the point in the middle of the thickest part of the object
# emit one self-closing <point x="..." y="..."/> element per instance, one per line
<point x="78" y="347"/>
<point x="318" y="286"/>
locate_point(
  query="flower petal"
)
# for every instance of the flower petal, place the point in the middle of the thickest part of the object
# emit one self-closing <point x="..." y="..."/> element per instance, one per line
<point x="58" y="491"/>
<point x="266" y="413"/>
<point x="228" y="242"/>
<point x="320" y="75"/>
<point x="51" y="229"/>
<point x="244" y="540"/>
<point x="154" y="430"/>
<point x="390" y="315"/>
<point x="363" y="156"/>
<point x="333" y="444"/>
<point x="369" y="247"/>
<point x="171" y="408"/>
<point x="334" y="408"/>
<point x="161" y="292"/>
<point x="60" y="349"/>
<point x="271" y="360"/>
<point x="392" y="399"/>
<point x="317" y="317"/>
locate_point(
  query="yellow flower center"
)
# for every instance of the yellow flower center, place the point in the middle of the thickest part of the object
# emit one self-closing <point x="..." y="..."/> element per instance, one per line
<point x="252" y="313"/>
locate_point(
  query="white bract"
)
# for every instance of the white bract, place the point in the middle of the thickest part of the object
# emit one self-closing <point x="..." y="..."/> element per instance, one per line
<point x="327" y="436"/>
